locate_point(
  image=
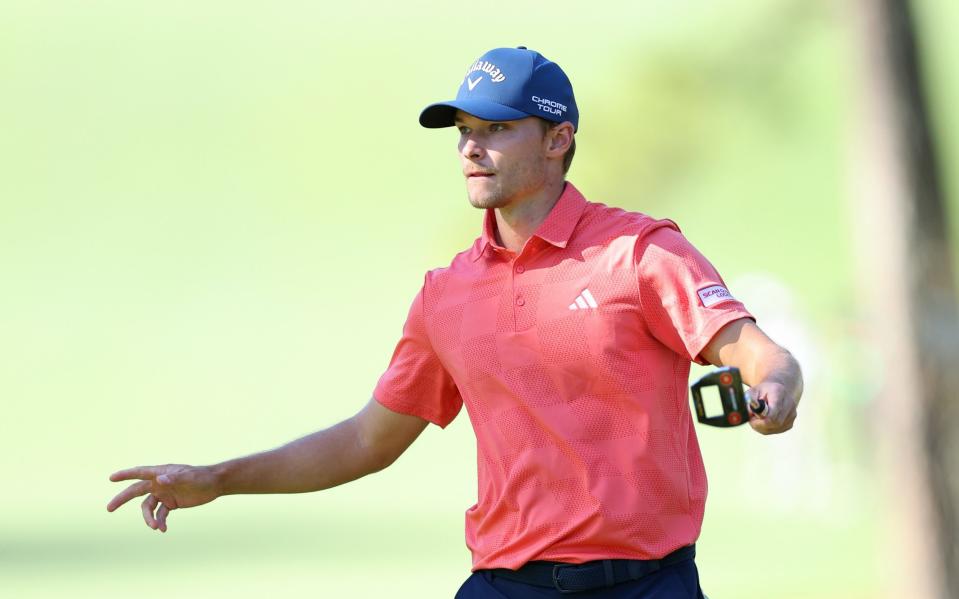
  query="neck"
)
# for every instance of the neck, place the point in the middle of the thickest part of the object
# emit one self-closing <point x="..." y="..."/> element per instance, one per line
<point x="516" y="223"/>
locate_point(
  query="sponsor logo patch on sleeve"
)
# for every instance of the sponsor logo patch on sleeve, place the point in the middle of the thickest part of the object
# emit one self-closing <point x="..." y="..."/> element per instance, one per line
<point x="714" y="294"/>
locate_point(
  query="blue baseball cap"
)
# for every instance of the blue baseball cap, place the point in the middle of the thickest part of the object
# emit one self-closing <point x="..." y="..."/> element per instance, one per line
<point x="507" y="84"/>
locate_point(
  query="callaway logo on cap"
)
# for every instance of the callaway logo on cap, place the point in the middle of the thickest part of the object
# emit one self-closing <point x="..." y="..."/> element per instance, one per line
<point x="507" y="84"/>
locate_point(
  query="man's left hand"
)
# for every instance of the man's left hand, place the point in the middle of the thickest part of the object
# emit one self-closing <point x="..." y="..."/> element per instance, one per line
<point x="780" y="409"/>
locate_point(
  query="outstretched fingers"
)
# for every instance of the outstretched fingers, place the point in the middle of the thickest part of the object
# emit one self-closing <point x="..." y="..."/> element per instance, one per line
<point x="140" y="472"/>
<point x="134" y="490"/>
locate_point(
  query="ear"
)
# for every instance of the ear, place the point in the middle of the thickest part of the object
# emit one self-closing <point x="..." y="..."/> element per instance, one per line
<point x="558" y="139"/>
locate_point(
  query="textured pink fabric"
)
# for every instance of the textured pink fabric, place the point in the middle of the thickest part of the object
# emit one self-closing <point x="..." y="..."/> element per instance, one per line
<point x="586" y="447"/>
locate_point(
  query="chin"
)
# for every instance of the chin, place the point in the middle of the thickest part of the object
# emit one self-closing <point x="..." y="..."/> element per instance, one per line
<point x="486" y="193"/>
<point x="482" y="203"/>
<point x="487" y="200"/>
<point x="494" y="202"/>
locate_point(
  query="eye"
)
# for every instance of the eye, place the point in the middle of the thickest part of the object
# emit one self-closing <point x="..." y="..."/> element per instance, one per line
<point x="497" y="127"/>
<point x="463" y="129"/>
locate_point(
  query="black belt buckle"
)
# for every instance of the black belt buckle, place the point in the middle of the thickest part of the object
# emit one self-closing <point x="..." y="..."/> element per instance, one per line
<point x="556" y="568"/>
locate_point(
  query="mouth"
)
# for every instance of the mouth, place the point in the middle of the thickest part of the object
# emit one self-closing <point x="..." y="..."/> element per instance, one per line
<point x="479" y="175"/>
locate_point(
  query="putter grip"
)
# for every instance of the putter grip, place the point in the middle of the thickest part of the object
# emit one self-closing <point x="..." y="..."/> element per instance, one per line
<point x="758" y="407"/>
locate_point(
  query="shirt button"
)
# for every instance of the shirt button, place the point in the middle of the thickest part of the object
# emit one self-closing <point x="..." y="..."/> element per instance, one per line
<point x="520" y="268"/>
<point x="520" y="301"/>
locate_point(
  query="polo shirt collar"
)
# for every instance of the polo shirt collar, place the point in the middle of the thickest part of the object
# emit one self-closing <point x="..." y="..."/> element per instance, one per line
<point x="562" y="219"/>
<point x="555" y="230"/>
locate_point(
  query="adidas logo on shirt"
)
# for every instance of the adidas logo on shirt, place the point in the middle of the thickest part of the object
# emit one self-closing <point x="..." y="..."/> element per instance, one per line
<point x="583" y="301"/>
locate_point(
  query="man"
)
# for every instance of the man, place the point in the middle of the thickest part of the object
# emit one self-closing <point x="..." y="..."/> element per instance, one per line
<point x="567" y="329"/>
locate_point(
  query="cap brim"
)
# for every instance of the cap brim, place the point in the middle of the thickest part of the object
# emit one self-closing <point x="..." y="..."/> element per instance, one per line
<point x="441" y="114"/>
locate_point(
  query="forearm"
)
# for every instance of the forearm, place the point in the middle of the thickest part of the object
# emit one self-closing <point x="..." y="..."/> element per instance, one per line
<point x="759" y="359"/>
<point x="321" y="460"/>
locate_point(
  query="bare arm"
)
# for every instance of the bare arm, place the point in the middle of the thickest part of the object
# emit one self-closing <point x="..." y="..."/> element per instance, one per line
<point x="361" y="445"/>
<point x="771" y="371"/>
<point x="369" y="441"/>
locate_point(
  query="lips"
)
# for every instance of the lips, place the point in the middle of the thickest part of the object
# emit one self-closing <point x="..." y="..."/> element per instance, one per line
<point x="471" y="175"/>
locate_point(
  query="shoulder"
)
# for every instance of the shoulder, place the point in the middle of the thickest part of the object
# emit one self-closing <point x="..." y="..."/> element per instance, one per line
<point x="601" y="222"/>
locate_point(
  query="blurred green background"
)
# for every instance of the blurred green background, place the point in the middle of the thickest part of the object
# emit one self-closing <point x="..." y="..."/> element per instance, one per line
<point x="213" y="217"/>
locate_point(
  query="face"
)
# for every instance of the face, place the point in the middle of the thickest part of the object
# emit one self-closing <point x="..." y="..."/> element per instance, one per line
<point x="503" y="162"/>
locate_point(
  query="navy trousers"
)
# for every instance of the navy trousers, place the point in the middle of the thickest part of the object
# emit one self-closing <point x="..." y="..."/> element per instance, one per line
<point x="678" y="581"/>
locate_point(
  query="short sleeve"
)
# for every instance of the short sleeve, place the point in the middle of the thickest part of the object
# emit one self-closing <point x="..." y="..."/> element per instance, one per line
<point x="684" y="300"/>
<point x="416" y="383"/>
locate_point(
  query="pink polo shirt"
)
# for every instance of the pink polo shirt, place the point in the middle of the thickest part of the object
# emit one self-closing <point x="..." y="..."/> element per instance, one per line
<point x="573" y="359"/>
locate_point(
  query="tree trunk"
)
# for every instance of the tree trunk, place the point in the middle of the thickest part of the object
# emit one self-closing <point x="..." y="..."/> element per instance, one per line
<point x="909" y="294"/>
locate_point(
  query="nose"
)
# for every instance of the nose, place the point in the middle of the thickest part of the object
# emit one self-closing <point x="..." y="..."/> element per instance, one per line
<point x="470" y="148"/>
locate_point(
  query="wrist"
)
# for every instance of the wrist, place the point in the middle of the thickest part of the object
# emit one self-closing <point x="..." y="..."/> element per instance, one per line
<point x="220" y="477"/>
<point x="786" y="374"/>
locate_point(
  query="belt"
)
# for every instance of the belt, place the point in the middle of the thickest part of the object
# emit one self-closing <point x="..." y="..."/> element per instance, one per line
<point x="574" y="578"/>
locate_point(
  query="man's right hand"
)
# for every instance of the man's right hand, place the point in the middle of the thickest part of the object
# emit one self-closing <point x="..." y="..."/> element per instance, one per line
<point x="167" y="488"/>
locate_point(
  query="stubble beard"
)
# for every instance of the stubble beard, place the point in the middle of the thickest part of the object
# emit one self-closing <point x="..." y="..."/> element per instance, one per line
<point x="504" y="190"/>
<point x="488" y="200"/>
<point x="517" y="180"/>
<point x="486" y="197"/>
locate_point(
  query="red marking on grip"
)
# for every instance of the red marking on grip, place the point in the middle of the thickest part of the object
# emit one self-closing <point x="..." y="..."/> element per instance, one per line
<point x="725" y="379"/>
<point x="734" y="418"/>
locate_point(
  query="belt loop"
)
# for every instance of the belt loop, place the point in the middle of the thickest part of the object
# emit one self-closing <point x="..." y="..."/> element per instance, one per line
<point x="608" y="571"/>
<point x="635" y="570"/>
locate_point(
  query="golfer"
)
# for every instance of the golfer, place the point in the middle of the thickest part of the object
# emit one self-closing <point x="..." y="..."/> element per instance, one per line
<point x="567" y="329"/>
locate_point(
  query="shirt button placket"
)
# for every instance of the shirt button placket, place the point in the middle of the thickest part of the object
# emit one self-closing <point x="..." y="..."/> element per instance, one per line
<point x="518" y="300"/>
<point x="520" y="312"/>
